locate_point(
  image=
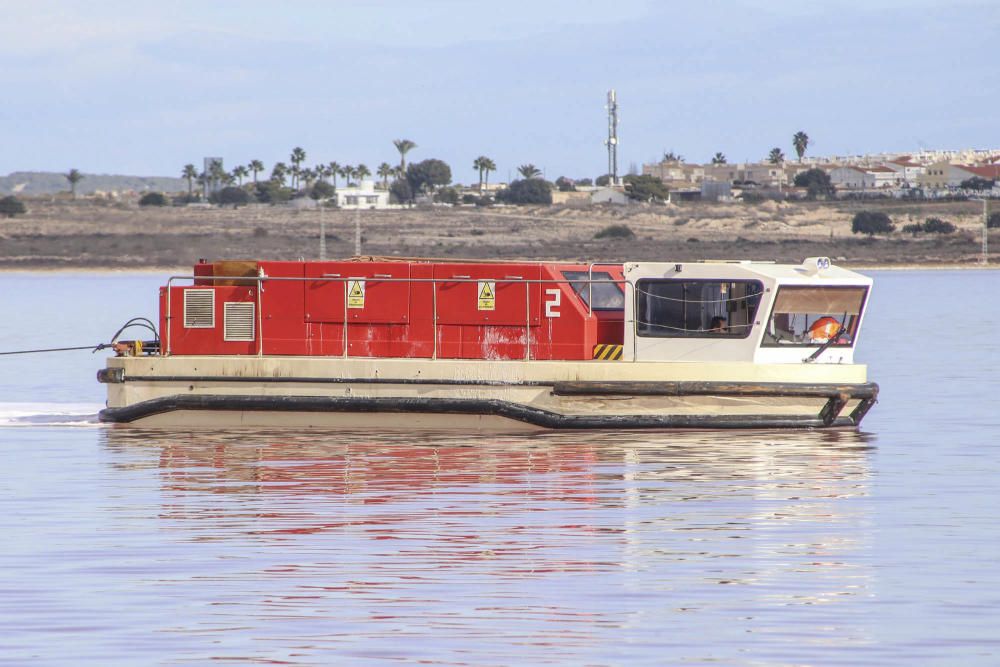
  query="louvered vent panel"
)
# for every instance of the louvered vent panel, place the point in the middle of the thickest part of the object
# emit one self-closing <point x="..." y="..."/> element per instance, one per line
<point x="199" y="308"/>
<point x="239" y="321"/>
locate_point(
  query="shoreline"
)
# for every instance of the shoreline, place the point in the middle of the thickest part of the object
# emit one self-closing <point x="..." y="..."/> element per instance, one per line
<point x="186" y="270"/>
<point x="86" y="237"/>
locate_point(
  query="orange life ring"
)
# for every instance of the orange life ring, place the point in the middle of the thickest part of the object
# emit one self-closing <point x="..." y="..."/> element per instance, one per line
<point x="824" y="329"/>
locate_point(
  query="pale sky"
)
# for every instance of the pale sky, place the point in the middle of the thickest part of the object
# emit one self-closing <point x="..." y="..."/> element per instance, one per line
<point x="144" y="88"/>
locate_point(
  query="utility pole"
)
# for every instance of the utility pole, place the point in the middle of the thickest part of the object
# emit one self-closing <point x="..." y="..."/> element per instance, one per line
<point x="322" y="234"/>
<point x="986" y="231"/>
<point x="357" y="231"/>
<point x="612" y="142"/>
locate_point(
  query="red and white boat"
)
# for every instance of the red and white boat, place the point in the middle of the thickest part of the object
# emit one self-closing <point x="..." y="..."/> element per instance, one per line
<point x="388" y="343"/>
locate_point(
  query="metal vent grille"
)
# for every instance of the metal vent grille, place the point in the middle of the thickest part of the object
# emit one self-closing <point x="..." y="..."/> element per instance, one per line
<point x="199" y="308"/>
<point x="238" y="321"/>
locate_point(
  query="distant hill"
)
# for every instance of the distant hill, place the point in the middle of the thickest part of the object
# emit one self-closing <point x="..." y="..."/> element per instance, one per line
<point x="47" y="183"/>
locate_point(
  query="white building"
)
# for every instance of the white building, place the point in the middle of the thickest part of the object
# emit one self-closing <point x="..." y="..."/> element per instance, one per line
<point x="608" y="195"/>
<point x="907" y="171"/>
<point x="363" y="195"/>
<point x="864" y="178"/>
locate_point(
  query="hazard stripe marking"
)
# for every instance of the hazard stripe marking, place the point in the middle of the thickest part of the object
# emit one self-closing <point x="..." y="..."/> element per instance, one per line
<point x="605" y="352"/>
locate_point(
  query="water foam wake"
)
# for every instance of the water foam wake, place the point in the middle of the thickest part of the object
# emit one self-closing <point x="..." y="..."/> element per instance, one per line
<point x="49" y="414"/>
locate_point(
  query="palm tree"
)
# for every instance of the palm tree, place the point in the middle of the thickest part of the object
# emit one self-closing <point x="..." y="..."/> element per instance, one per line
<point x="278" y="172"/>
<point x="296" y="172"/>
<point x="800" y="140"/>
<point x="217" y="174"/>
<point x="297" y="157"/>
<point x="384" y="172"/>
<point x="334" y="170"/>
<point x="404" y="146"/>
<point x="239" y="173"/>
<point x="477" y="164"/>
<point x="718" y="158"/>
<point x="775" y="156"/>
<point x="488" y="166"/>
<point x="671" y="156"/>
<point x="190" y="173"/>
<point x="308" y="175"/>
<point x="347" y="172"/>
<point x="256" y="166"/>
<point x="74" y="177"/>
<point x="529" y="171"/>
<point x="362" y="172"/>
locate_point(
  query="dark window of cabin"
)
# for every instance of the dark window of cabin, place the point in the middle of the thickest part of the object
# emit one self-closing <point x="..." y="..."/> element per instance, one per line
<point x="696" y="308"/>
<point x="607" y="295"/>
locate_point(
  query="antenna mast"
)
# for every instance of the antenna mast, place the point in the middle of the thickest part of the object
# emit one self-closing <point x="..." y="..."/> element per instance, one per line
<point x="612" y="142"/>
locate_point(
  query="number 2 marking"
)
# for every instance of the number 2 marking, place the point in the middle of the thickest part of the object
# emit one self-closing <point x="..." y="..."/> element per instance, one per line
<point x="552" y="303"/>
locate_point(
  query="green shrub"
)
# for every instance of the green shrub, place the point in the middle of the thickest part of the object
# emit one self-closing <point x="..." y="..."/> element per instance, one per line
<point x="816" y="181"/>
<point x="153" y="199"/>
<point x="938" y="226"/>
<point x="913" y="228"/>
<point x="11" y="206"/>
<point x="185" y="199"/>
<point x="230" y="195"/>
<point x="271" y="192"/>
<point x="871" y="223"/>
<point x="993" y="220"/>
<point x="400" y="191"/>
<point x="645" y="187"/>
<point x="615" y="232"/>
<point x="446" y="195"/>
<point x="321" y="190"/>
<point x="527" y="191"/>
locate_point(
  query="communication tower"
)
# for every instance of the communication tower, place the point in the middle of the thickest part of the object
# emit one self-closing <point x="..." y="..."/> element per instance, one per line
<point x="612" y="142"/>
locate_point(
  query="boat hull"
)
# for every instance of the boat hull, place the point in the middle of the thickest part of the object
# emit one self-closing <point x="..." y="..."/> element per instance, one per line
<point x="477" y="395"/>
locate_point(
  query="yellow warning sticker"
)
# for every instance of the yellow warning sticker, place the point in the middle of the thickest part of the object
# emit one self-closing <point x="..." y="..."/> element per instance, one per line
<point x="487" y="295"/>
<point x="356" y="294"/>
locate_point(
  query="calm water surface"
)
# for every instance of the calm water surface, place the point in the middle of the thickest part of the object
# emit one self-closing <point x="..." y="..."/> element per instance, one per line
<point x="124" y="546"/>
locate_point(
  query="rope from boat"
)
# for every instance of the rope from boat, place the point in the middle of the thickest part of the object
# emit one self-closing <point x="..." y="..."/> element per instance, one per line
<point x="95" y="348"/>
<point x="683" y="330"/>
<point x="670" y="298"/>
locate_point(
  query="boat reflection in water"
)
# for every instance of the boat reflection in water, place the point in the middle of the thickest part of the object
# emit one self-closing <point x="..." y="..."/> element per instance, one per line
<point x="570" y="546"/>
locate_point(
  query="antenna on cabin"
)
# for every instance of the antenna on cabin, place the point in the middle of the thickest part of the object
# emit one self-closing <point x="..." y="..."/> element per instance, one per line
<point x="612" y="142"/>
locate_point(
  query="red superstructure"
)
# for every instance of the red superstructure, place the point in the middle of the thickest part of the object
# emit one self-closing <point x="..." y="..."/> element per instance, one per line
<point x="409" y="309"/>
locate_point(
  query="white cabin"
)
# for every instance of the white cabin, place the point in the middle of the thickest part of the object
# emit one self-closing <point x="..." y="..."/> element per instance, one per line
<point x="770" y="313"/>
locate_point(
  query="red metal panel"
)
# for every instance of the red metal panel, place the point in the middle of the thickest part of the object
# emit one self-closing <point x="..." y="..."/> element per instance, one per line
<point x="203" y="271"/>
<point x="458" y="294"/>
<point x="386" y="292"/>
<point x="182" y="340"/>
<point x="282" y="324"/>
<point x="324" y="299"/>
<point x="396" y="319"/>
<point x="569" y="331"/>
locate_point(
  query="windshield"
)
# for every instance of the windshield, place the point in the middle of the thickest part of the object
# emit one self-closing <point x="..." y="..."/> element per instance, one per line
<point x="607" y="296"/>
<point x="809" y="316"/>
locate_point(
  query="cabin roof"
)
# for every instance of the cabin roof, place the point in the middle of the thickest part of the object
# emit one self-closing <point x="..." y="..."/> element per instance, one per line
<point x="804" y="273"/>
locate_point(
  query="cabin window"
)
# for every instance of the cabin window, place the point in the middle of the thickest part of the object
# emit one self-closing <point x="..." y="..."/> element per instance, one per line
<point x="696" y="308"/>
<point x="810" y="316"/>
<point x="607" y="296"/>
